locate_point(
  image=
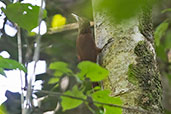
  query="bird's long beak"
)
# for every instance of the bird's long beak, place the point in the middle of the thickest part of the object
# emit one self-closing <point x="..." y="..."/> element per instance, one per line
<point x="75" y="16"/>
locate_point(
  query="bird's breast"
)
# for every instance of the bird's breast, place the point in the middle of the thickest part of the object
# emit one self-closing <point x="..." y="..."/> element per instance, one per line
<point x="86" y="47"/>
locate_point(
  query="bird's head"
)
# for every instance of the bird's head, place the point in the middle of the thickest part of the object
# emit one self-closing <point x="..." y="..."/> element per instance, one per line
<point x="84" y="24"/>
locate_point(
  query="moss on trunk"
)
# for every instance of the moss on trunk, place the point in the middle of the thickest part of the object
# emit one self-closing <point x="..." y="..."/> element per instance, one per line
<point x="146" y="75"/>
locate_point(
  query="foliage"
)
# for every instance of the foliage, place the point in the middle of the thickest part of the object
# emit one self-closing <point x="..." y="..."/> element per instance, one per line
<point x="25" y="15"/>
<point x="94" y="73"/>
<point x="164" y="46"/>
<point x="60" y="68"/>
<point x="70" y="103"/>
<point x="162" y="37"/>
<point x="2" y="110"/>
<point x="58" y="21"/>
<point x="118" y="9"/>
<point x="160" y="31"/>
<point x="10" y="64"/>
<point x="103" y="96"/>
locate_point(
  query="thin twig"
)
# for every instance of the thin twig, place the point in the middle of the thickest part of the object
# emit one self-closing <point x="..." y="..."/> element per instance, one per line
<point x="20" y="61"/>
<point x="96" y="102"/>
<point x="19" y="41"/>
<point x="19" y="45"/>
<point x="67" y="27"/>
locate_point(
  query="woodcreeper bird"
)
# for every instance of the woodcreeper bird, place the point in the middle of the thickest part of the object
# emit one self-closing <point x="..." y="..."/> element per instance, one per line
<point x="85" y="43"/>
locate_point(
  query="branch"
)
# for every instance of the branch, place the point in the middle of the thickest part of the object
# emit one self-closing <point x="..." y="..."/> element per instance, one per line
<point x="19" y="45"/>
<point x="67" y="27"/>
<point x="35" y="59"/>
<point x="96" y="102"/>
<point x="20" y="61"/>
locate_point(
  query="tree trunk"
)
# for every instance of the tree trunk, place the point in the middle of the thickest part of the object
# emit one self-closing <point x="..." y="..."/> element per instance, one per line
<point x="131" y="59"/>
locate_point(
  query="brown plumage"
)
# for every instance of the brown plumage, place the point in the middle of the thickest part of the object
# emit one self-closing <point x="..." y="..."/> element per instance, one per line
<point x="85" y="44"/>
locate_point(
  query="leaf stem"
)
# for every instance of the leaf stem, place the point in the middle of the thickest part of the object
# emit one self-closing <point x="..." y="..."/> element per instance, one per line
<point x="57" y="94"/>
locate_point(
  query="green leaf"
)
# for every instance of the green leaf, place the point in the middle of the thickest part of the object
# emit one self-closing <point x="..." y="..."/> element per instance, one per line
<point x="161" y="53"/>
<point x="25" y="15"/>
<point x="58" y="73"/>
<point x="60" y="68"/>
<point x="103" y="96"/>
<point x="166" y="10"/>
<point x="169" y="77"/>
<point x="97" y="88"/>
<point x="2" y="110"/>
<point x="92" y="71"/>
<point x="120" y="9"/>
<point x="11" y="64"/>
<point x="56" y="85"/>
<point x="112" y="110"/>
<point x="53" y="80"/>
<point x="2" y="72"/>
<point x="167" y="41"/>
<point x="160" y="31"/>
<point x="70" y="103"/>
<point x="161" y="50"/>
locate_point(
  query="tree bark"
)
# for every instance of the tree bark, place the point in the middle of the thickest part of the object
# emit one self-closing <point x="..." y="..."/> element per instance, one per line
<point x="131" y="59"/>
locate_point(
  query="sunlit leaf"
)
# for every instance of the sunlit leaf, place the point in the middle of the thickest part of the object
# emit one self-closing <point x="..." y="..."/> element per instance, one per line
<point x="31" y="33"/>
<point x="70" y="103"/>
<point x="161" y="29"/>
<point x="53" y="80"/>
<point x="2" y="110"/>
<point x="58" y="21"/>
<point x="2" y="72"/>
<point x="25" y="15"/>
<point x="58" y="73"/>
<point x="97" y="88"/>
<point x="11" y="64"/>
<point x="60" y="68"/>
<point x="112" y="110"/>
<point x="92" y="71"/>
<point x="103" y="96"/>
